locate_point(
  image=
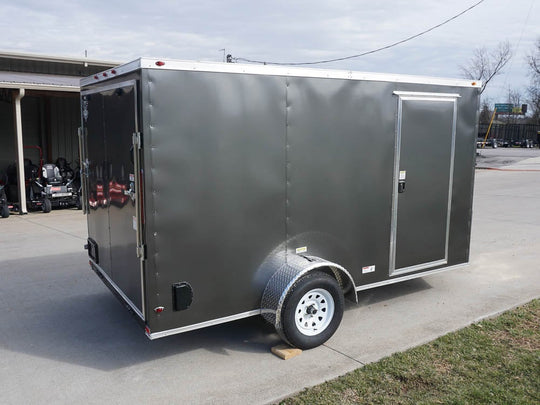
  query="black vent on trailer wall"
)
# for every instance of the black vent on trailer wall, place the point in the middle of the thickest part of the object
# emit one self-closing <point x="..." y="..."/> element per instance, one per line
<point x="182" y="296"/>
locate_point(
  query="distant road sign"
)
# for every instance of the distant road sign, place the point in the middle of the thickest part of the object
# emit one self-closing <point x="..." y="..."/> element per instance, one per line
<point x="516" y="110"/>
<point x="504" y="107"/>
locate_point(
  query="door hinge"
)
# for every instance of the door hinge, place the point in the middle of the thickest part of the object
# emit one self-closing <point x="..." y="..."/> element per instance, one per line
<point x="141" y="252"/>
<point x="137" y="140"/>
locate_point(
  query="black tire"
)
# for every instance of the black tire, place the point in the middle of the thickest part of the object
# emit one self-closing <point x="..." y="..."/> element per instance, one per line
<point x="4" y="211"/>
<point x="314" y="281"/>
<point x="46" y="206"/>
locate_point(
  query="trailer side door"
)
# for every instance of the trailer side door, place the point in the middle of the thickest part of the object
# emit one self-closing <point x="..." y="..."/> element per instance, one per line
<point x="423" y="171"/>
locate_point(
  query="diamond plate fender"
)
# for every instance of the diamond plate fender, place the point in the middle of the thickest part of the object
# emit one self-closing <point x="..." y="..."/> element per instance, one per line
<point x="286" y="276"/>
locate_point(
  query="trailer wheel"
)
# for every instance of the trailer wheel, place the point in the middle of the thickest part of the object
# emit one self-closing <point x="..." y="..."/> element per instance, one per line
<point x="5" y="211"/>
<point x="312" y="310"/>
<point x="46" y="205"/>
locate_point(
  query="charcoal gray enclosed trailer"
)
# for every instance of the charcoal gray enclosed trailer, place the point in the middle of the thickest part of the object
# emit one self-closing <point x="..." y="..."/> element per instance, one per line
<point x="215" y="192"/>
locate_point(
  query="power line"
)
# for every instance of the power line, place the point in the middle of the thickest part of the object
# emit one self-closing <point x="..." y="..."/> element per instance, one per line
<point x="364" y="53"/>
<point x="505" y="87"/>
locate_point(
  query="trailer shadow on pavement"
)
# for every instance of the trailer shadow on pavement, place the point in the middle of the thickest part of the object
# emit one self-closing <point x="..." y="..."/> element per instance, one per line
<point x="66" y="314"/>
<point x="55" y="307"/>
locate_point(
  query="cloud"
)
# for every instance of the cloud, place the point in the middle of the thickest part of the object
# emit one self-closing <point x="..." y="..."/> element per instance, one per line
<point x="274" y="30"/>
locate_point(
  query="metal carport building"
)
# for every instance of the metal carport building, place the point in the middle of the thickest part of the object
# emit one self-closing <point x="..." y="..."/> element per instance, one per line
<point x="39" y="106"/>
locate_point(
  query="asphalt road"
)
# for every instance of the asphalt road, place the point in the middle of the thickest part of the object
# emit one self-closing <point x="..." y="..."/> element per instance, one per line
<point x="500" y="157"/>
<point x="65" y="339"/>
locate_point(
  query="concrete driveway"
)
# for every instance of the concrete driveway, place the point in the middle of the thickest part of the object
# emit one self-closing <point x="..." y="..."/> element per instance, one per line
<point x="64" y="338"/>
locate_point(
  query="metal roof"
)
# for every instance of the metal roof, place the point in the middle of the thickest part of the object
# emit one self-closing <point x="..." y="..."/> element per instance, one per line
<point x="51" y="65"/>
<point x="58" y="59"/>
<point x="34" y="81"/>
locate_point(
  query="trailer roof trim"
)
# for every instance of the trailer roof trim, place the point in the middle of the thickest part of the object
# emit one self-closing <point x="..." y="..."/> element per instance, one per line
<point x="219" y="67"/>
<point x="34" y="81"/>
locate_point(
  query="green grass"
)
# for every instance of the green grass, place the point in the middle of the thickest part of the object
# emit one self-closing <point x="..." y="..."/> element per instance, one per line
<point x="496" y="361"/>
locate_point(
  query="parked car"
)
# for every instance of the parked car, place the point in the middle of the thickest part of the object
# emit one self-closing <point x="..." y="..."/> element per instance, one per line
<point x="492" y="143"/>
<point x="523" y="143"/>
<point x="503" y="143"/>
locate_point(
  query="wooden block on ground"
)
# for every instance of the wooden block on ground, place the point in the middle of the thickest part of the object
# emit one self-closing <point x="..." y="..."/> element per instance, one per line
<point x="286" y="352"/>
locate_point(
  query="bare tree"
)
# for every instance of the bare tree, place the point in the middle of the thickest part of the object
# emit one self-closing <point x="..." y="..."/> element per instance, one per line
<point x="515" y="98"/>
<point x="533" y="90"/>
<point x="534" y="103"/>
<point x="486" y="64"/>
<point x="534" y="60"/>
<point x="485" y="112"/>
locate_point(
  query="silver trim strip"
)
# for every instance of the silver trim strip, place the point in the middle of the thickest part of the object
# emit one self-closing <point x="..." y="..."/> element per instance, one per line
<point x="109" y="87"/>
<point x="138" y="196"/>
<point x="393" y="217"/>
<point x="451" y="179"/>
<point x="419" y="96"/>
<point x="410" y="277"/>
<point x="117" y="289"/>
<point x="420" y="266"/>
<point x="150" y="63"/>
<point x="82" y="171"/>
<point x="416" y="94"/>
<point x="425" y="98"/>
<point x="169" y="332"/>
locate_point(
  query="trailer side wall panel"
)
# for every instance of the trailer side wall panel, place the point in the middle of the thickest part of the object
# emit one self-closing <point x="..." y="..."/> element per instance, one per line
<point x="215" y="172"/>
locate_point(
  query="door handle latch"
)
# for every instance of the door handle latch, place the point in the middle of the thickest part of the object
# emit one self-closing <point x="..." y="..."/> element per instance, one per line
<point x="131" y="191"/>
<point x="401" y="181"/>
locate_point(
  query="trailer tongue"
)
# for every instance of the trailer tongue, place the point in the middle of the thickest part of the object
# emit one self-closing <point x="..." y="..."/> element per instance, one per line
<point x="215" y="192"/>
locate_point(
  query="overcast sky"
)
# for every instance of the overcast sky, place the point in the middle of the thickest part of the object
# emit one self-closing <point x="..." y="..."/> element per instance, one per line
<point x="284" y="31"/>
